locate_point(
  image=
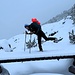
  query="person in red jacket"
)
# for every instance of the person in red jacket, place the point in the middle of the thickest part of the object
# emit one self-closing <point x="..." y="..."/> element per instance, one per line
<point x="35" y="28"/>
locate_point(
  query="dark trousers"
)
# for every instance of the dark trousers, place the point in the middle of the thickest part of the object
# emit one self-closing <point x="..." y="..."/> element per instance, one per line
<point x="40" y="35"/>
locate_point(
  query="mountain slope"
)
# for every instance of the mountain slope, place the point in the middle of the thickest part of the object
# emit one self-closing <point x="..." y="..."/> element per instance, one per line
<point x="17" y="42"/>
<point x="64" y="14"/>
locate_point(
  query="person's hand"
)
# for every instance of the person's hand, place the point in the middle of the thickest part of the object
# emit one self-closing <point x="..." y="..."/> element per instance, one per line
<point x="32" y="32"/>
<point x="26" y="32"/>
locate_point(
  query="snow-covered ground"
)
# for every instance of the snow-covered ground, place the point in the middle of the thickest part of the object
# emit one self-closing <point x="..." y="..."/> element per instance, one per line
<point x="46" y="74"/>
<point x="45" y="67"/>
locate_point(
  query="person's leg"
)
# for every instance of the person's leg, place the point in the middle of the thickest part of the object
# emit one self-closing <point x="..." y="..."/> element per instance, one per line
<point x="47" y="38"/>
<point x="39" y="43"/>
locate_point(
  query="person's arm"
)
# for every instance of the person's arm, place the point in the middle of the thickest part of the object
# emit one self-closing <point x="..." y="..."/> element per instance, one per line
<point x="29" y="32"/>
<point x="31" y="29"/>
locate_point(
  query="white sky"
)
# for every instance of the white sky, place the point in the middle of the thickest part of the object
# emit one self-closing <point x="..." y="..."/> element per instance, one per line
<point x="15" y="13"/>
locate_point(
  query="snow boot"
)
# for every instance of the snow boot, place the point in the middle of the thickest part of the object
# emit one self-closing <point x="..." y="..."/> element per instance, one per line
<point x="57" y="40"/>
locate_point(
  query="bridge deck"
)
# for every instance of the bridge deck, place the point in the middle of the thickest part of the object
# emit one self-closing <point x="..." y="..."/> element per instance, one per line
<point x="34" y="56"/>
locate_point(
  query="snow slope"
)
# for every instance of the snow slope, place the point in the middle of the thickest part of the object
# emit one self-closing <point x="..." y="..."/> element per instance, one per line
<point x="63" y="29"/>
<point x="47" y="66"/>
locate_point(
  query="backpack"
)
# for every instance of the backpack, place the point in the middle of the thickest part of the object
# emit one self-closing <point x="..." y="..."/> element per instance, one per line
<point x="35" y="20"/>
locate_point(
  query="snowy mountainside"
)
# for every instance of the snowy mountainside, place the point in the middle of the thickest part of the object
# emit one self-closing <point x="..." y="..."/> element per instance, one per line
<point x="17" y="42"/>
<point x="63" y="27"/>
<point x="64" y="14"/>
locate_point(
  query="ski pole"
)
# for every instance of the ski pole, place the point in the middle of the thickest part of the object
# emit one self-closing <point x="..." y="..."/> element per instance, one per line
<point x="30" y="43"/>
<point x="25" y="42"/>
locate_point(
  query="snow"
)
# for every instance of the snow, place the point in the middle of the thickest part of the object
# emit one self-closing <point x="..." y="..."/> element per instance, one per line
<point x="5" y="45"/>
<point x="45" y="67"/>
<point x="45" y="74"/>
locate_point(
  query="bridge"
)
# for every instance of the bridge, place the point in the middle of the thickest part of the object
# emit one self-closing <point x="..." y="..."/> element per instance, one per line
<point x="8" y="57"/>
